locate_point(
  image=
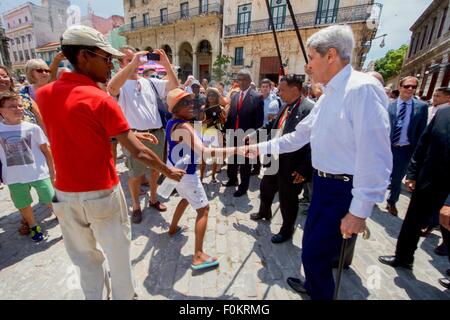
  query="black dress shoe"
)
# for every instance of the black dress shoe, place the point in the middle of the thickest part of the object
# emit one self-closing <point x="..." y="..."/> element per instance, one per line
<point x="441" y="250"/>
<point x="445" y="282"/>
<point x="394" y="262"/>
<point x="392" y="209"/>
<point x="136" y="216"/>
<point x="296" y="284"/>
<point x="257" y="216"/>
<point x="239" y="193"/>
<point x="279" y="238"/>
<point x="230" y="183"/>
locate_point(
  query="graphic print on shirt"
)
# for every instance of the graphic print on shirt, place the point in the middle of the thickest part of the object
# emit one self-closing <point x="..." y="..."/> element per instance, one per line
<point x="17" y="146"/>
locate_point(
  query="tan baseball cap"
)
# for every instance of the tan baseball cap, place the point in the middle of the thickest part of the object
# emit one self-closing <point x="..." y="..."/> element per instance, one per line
<point x="176" y="95"/>
<point x="79" y="35"/>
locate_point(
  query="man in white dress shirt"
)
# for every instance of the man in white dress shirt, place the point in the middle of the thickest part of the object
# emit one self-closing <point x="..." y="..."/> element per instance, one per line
<point x="349" y="134"/>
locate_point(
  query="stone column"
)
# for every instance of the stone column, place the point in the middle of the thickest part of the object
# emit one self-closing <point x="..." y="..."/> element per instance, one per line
<point x="442" y="70"/>
<point x="430" y="76"/>
<point x="194" y="65"/>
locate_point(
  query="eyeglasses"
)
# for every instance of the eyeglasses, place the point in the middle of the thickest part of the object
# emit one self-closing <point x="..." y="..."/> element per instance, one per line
<point x="409" y="87"/>
<point x="107" y="59"/>
<point x="42" y="70"/>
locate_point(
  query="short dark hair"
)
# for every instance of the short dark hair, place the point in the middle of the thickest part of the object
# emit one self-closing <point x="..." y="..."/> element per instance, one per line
<point x="71" y="52"/>
<point x="8" y="95"/>
<point x="294" y="80"/>
<point x="265" y="81"/>
<point x="445" y="90"/>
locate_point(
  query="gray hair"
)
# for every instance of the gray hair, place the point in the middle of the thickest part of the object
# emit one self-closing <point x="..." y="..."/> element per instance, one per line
<point x="338" y="37"/>
<point x="245" y="73"/>
<point x="32" y="65"/>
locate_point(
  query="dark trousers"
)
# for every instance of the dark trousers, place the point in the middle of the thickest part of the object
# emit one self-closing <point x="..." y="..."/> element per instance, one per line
<point x="423" y="203"/>
<point x="288" y="195"/>
<point x="244" y="170"/>
<point x="401" y="158"/>
<point x="268" y="188"/>
<point x="446" y="239"/>
<point x="322" y="236"/>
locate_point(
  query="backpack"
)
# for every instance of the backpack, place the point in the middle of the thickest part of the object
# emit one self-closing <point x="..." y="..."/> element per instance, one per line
<point x="162" y="106"/>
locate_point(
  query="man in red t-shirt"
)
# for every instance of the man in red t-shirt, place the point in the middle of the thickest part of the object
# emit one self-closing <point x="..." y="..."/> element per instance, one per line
<point x="80" y="119"/>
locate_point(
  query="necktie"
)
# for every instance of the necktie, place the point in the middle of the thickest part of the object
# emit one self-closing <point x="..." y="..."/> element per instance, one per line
<point x="399" y="125"/>
<point x="239" y="106"/>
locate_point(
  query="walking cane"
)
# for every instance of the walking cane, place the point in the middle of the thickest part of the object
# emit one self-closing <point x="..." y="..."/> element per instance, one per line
<point x="366" y="235"/>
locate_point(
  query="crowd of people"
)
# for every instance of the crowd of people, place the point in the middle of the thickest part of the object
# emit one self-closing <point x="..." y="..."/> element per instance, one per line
<point x="341" y="140"/>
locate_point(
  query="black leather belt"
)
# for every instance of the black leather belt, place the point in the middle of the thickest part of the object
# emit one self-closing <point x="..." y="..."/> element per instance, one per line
<point x="146" y="131"/>
<point x="343" y="177"/>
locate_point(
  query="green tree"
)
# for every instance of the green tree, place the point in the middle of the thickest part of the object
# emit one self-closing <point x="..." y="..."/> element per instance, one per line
<point x="391" y="64"/>
<point x="219" y="66"/>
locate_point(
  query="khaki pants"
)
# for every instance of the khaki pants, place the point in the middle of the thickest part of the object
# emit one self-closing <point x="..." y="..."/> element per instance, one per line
<point x="88" y="218"/>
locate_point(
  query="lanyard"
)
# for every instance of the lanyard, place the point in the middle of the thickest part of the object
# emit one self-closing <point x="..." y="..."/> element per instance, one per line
<point x="287" y="113"/>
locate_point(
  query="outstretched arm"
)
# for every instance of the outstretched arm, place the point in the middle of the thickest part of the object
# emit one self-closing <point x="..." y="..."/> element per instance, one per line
<point x="147" y="156"/>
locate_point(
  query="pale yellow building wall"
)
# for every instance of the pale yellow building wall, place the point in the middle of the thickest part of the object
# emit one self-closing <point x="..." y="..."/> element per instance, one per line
<point x="180" y="35"/>
<point x="257" y="46"/>
<point x="259" y="8"/>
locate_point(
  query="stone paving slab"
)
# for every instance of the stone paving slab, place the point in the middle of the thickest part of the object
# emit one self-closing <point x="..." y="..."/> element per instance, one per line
<point x="251" y="266"/>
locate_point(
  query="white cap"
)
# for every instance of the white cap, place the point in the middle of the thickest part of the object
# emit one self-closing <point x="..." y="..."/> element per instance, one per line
<point x="79" y="35"/>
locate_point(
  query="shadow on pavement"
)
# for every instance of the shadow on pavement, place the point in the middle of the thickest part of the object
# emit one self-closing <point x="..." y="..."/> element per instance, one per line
<point x="15" y="247"/>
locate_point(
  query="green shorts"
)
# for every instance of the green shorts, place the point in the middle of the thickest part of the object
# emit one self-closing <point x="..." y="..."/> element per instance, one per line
<point x="21" y="193"/>
<point x="137" y="168"/>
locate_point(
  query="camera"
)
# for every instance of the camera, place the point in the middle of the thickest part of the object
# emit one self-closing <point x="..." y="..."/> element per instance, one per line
<point x="153" y="56"/>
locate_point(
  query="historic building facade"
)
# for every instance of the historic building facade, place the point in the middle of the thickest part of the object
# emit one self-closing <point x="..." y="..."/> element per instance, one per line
<point x="428" y="55"/>
<point x="188" y="30"/>
<point x="30" y="26"/>
<point x="248" y="35"/>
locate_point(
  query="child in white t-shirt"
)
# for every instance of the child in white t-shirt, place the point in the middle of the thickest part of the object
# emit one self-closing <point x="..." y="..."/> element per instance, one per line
<point x="25" y="157"/>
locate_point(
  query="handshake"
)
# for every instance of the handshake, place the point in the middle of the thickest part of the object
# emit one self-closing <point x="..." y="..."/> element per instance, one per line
<point x="248" y="151"/>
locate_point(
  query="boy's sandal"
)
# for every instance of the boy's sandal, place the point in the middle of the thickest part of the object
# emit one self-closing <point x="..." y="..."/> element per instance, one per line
<point x="205" y="264"/>
<point x="180" y="230"/>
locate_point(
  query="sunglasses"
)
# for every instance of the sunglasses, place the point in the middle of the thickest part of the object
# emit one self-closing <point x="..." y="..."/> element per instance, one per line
<point x="107" y="59"/>
<point x="409" y="87"/>
<point x="42" y="70"/>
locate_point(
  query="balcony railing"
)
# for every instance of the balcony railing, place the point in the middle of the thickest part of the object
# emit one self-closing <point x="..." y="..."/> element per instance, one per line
<point x="213" y="7"/>
<point x="14" y="27"/>
<point x="305" y="20"/>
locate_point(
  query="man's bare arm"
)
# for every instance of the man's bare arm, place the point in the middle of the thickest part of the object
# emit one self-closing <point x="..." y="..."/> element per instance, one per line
<point x="147" y="156"/>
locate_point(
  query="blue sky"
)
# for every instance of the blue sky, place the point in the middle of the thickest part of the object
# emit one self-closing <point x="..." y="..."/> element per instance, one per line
<point x="396" y="19"/>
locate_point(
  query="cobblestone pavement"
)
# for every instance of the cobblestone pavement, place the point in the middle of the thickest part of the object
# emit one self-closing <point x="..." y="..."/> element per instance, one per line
<point x="251" y="267"/>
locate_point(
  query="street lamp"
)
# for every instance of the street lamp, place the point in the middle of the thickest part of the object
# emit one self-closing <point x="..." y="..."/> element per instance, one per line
<point x="382" y="44"/>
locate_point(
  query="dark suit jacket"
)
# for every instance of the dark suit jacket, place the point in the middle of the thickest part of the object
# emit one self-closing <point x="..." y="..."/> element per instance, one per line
<point x="299" y="160"/>
<point x="430" y="163"/>
<point x="251" y="115"/>
<point x="417" y="123"/>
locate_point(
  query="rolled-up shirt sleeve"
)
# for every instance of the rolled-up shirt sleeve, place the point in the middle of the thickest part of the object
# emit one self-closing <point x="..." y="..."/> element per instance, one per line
<point x="373" y="163"/>
<point x="290" y="142"/>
